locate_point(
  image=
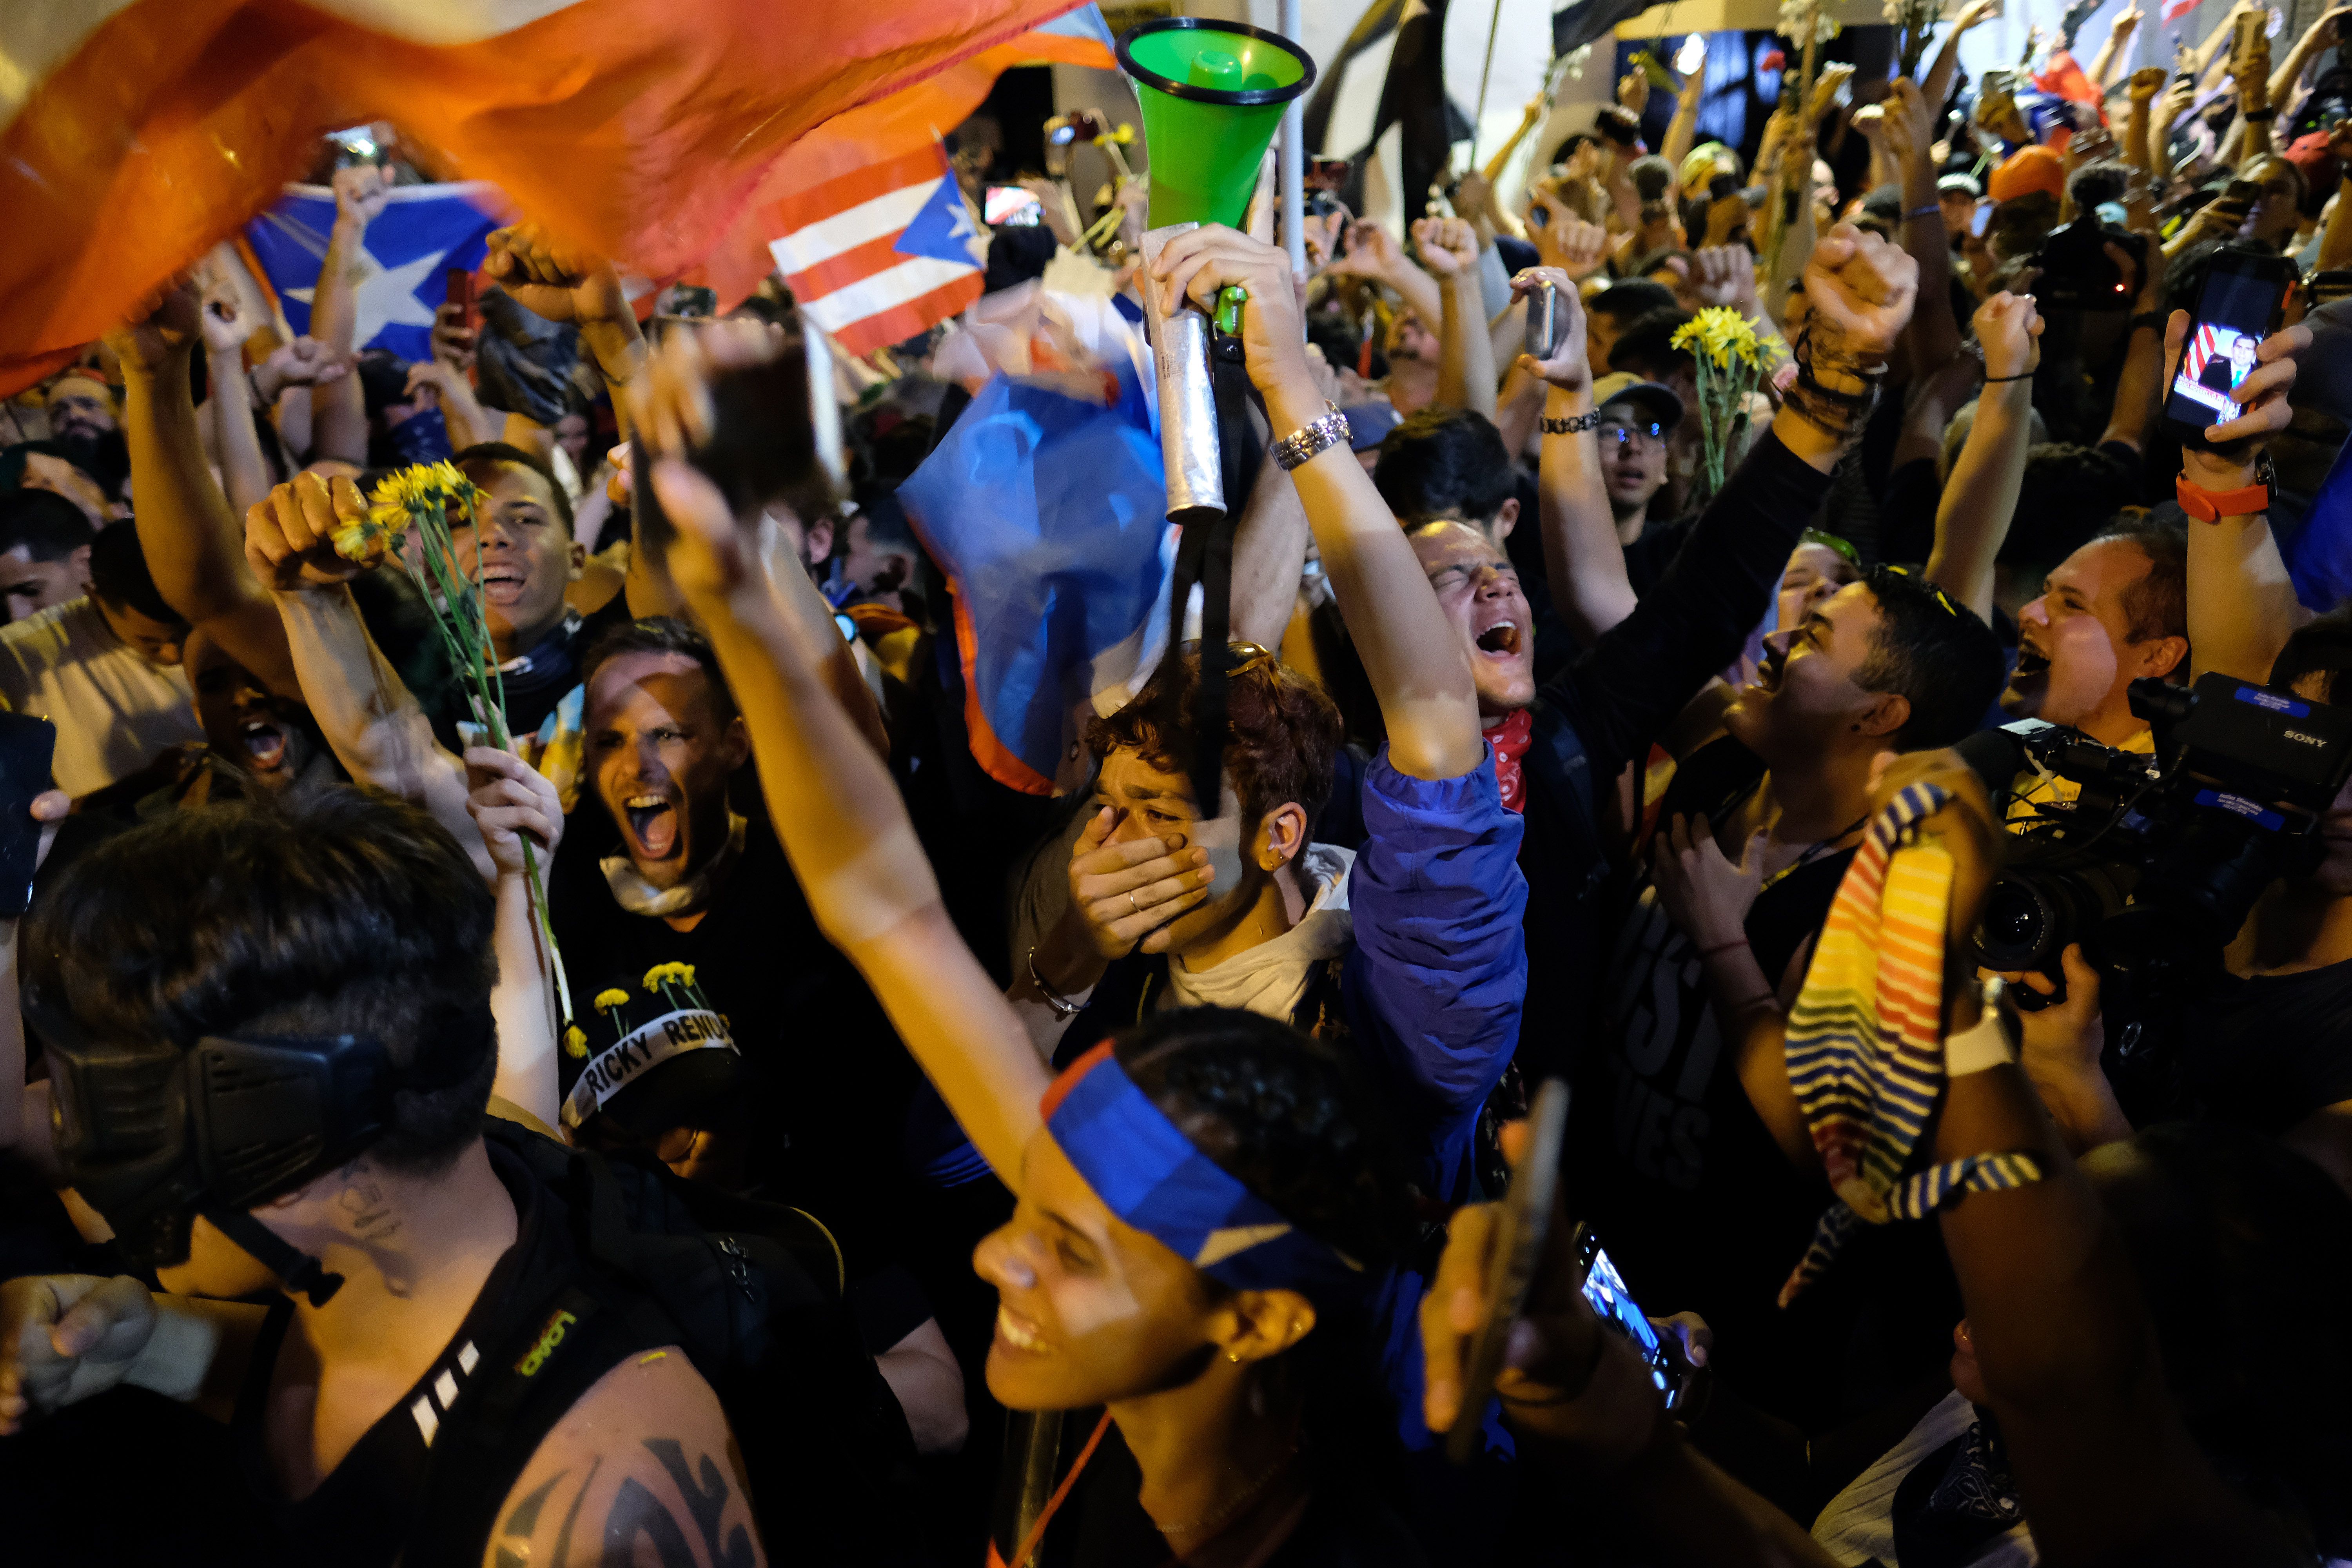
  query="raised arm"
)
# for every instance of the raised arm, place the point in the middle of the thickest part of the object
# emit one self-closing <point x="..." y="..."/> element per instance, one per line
<point x="2319" y="36"/>
<point x="1465" y="372"/>
<point x="1683" y="129"/>
<point x="1582" y="558"/>
<point x="1372" y="253"/>
<point x="2110" y="56"/>
<point x="1269" y="555"/>
<point x="564" y="282"/>
<point x="369" y="717"/>
<point x="236" y="436"/>
<point x="2242" y="604"/>
<point x="2145" y="83"/>
<point x="1934" y="336"/>
<point x="1417" y="665"/>
<point x="1981" y="496"/>
<point x="831" y="798"/>
<point x="194" y="547"/>
<point x="1938" y="88"/>
<point x="338" y="409"/>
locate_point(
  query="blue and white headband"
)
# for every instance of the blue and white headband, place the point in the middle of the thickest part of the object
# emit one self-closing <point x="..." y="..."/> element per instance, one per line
<point x="1141" y="1165"/>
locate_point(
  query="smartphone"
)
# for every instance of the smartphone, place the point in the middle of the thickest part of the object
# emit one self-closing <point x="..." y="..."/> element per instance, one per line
<point x="2241" y="304"/>
<point x="355" y="147"/>
<point x="1520" y="1231"/>
<point x="1983" y="216"/>
<point x="1011" y="204"/>
<point x="1605" y="1291"/>
<point x="460" y="293"/>
<point x="1547" y="323"/>
<point x="26" y="746"/>
<point x="763" y="442"/>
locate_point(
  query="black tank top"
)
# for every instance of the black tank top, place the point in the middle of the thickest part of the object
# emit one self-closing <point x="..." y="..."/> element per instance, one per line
<point x="361" y="1512"/>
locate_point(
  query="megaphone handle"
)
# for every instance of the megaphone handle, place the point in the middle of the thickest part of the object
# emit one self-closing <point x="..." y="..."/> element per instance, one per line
<point x="1230" y="300"/>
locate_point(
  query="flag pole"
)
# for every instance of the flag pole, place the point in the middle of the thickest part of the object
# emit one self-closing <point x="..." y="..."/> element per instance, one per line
<point x="1291" y="161"/>
<point x="1494" y="25"/>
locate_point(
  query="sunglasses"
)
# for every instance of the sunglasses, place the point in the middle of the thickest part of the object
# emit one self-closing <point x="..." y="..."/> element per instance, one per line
<point x="1951" y="606"/>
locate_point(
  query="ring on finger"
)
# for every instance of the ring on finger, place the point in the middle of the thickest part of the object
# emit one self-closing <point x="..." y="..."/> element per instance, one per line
<point x="1133" y="905"/>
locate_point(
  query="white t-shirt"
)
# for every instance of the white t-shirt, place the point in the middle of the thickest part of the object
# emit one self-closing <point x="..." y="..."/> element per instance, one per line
<point x="114" y="711"/>
<point x="1270" y="978"/>
<point x="1858" y="1526"/>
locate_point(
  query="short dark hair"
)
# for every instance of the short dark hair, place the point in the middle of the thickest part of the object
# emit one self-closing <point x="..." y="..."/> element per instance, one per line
<point x="2070" y="493"/>
<point x="1934" y="651"/>
<point x="2095" y="182"/>
<point x="1631" y="300"/>
<point x="118" y="574"/>
<point x="1284" y="744"/>
<point x="47" y="526"/>
<point x="350" y="913"/>
<point x="1285" y="1115"/>
<point x="2157" y="604"/>
<point x="1444" y="462"/>
<point x="499" y="454"/>
<point x="659" y="633"/>
<point x="1646" y="345"/>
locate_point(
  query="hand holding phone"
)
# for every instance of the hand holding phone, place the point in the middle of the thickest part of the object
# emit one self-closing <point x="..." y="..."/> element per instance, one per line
<point x="30" y="806"/>
<point x="2228" y="366"/>
<point x="1521" y="1224"/>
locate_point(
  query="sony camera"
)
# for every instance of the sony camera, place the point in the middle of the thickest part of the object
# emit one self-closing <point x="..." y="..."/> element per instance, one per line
<point x="2156" y="861"/>
<point x="2077" y="273"/>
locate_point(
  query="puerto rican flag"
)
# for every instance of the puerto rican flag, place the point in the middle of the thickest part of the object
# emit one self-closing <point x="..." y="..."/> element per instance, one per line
<point x="879" y="255"/>
<point x="136" y="135"/>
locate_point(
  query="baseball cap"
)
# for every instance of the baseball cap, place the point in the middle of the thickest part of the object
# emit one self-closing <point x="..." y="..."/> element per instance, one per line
<point x="2027" y="170"/>
<point x="1369" y="425"/>
<point x="1966" y="185"/>
<point x="1623" y="386"/>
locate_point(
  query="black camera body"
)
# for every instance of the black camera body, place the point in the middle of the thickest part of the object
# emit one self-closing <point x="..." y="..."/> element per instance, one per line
<point x="2157" y="862"/>
<point x="2077" y="273"/>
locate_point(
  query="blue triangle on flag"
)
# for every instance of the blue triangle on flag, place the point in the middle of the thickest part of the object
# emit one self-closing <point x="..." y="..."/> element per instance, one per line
<point x="942" y="230"/>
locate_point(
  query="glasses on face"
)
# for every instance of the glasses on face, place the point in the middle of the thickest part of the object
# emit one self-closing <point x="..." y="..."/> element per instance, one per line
<point x="1639" y="438"/>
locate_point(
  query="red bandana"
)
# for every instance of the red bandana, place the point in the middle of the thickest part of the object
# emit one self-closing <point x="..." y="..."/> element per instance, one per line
<point x="1510" y="740"/>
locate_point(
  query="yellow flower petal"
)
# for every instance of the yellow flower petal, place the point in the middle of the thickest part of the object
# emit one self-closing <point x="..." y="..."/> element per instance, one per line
<point x="610" y="999"/>
<point x="575" y="1043"/>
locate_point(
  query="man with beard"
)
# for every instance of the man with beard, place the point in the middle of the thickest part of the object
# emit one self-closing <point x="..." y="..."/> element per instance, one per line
<point x="719" y="1029"/>
<point x="1561" y="746"/>
<point x="104" y="669"/>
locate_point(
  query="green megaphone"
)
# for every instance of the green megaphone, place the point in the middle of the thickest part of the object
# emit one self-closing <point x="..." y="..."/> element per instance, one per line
<point x="1211" y="94"/>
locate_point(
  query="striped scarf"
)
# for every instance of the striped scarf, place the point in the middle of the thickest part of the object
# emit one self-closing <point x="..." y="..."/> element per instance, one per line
<point x="1865" y="1038"/>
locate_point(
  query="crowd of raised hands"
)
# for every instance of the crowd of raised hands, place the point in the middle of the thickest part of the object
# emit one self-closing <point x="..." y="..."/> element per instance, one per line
<point x="1610" y="718"/>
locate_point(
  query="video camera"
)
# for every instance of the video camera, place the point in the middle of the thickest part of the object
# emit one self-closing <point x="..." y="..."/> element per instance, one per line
<point x="2157" y="862"/>
<point x="2078" y="274"/>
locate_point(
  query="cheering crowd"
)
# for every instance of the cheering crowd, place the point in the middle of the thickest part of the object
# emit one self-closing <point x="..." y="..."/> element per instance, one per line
<point x="633" y="1087"/>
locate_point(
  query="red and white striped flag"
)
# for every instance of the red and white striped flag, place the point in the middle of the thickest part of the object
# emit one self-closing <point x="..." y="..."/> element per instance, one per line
<point x="879" y="255"/>
<point x="134" y="134"/>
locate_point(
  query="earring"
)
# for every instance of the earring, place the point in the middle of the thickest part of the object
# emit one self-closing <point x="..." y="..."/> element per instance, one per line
<point x="1233" y="1358"/>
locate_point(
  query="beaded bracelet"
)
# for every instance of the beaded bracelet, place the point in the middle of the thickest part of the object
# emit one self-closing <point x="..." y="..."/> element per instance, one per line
<point x="1569" y="426"/>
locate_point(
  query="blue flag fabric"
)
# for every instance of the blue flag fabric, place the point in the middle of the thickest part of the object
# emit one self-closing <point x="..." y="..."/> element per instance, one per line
<point x="1049" y="511"/>
<point x="2319" y="553"/>
<point x="410" y="246"/>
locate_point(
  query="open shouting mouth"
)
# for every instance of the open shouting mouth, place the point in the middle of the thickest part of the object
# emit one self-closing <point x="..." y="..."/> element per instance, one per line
<point x="1501" y="640"/>
<point x="264" y="746"/>
<point x="652" y="825"/>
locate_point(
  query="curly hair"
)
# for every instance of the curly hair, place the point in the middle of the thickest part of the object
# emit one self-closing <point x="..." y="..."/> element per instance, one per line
<point x="1283" y="744"/>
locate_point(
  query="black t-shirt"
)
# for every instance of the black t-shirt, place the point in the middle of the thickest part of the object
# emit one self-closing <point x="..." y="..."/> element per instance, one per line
<point x="816" y="1100"/>
<point x="2267" y="1052"/>
<point x="1685" y="1185"/>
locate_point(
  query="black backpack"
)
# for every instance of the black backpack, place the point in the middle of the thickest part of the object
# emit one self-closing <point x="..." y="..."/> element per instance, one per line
<point x="750" y="1290"/>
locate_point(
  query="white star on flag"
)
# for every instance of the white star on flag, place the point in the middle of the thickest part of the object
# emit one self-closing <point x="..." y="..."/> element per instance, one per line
<point x="385" y="297"/>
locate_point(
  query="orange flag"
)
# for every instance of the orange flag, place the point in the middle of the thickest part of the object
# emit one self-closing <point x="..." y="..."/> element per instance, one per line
<point x="135" y="136"/>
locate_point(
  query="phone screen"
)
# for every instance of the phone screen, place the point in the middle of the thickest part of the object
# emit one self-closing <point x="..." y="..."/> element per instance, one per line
<point x="2234" y="310"/>
<point x="1011" y="204"/>
<point x="1983" y="216"/>
<point x="28" y="745"/>
<point x="1605" y="1289"/>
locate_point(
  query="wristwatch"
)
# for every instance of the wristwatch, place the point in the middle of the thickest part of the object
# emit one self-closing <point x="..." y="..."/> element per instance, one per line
<point x="2211" y="506"/>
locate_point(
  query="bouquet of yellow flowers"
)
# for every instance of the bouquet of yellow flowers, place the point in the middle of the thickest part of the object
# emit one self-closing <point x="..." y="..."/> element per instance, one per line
<point x="1732" y="360"/>
<point x="425" y="498"/>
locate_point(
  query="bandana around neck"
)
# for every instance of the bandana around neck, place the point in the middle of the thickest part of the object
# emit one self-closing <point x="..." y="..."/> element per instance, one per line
<point x="1510" y="739"/>
<point x="1141" y="1165"/>
<point x="639" y="897"/>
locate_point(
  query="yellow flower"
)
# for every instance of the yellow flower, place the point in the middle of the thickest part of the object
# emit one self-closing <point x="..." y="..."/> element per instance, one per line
<point x="575" y="1043"/>
<point x="669" y="974"/>
<point x="1723" y="335"/>
<point x="607" y="1000"/>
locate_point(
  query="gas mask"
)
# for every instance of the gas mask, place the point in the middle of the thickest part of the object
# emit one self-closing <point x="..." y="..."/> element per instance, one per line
<point x="152" y="1134"/>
